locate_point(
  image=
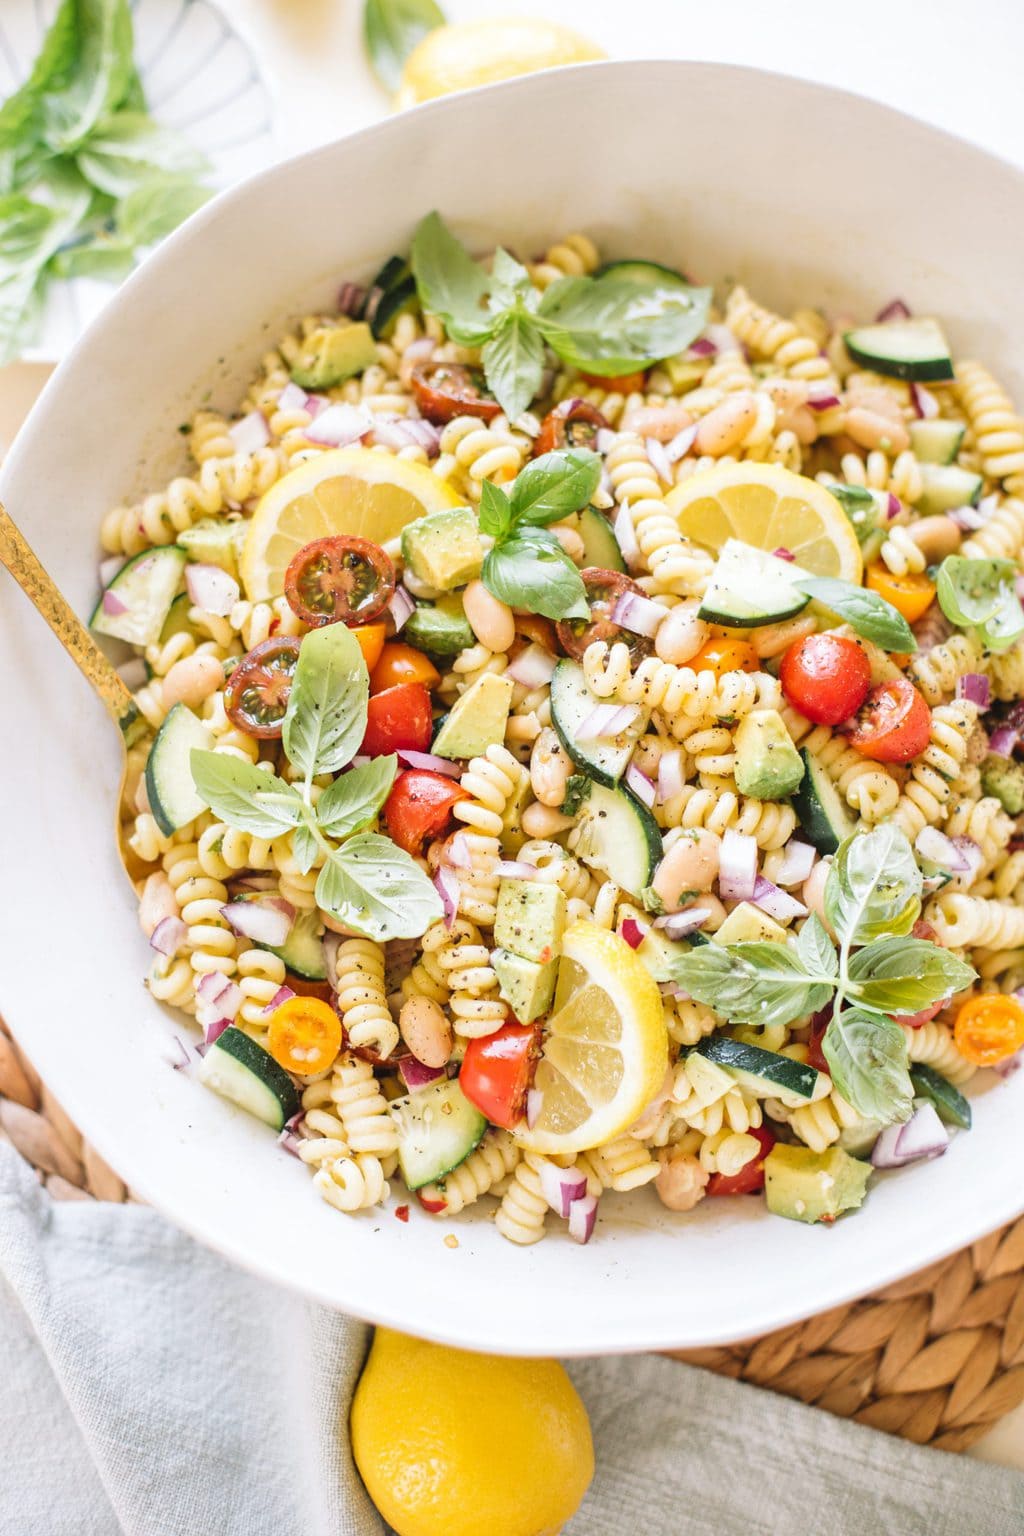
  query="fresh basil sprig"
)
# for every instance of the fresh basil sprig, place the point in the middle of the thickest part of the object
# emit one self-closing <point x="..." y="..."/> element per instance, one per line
<point x="752" y="983"/>
<point x="873" y="889"/>
<point x="864" y="611"/>
<point x="982" y="595"/>
<point x="527" y="567"/>
<point x="607" y="325"/>
<point x="867" y="1059"/>
<point x="391" y="30"/>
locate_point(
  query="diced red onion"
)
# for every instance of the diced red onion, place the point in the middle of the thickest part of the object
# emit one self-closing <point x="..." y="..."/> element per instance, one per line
<point x="419" y="350"/>
<point x="180" y="1059"/>
<point x="267" y="921"/>
<point x="211" y="589"/>
<point x="632" y="932"/>
<point x="737" y="871"/>
<point x="607" y="720"/>
<point x="534" y="1100"/>
<point x="515" y="869"/>
<point x="561" y="1187"/>
<point x="967" y="519"/>
<point x="446" y="883"/>
<point x="290" y="1142"/>
<point x="331" y="943"/>
<point x="797" y="862"/>
<point x="352" y="299"/>
<point x="823" y="400"/>
<point x="638" y="614"/>
<point x="430" y="762"/>
<point x="167" y="935"/>
<point x="214" y="1031"/>
<point x="292" y="398"/>
<point x="923" y="1135"/>
<point x="133" y="673"/>
<point x="340" y="425"/>
<point x="582" y="1217"/>
<point x="625" y="537"/>
<point x="777" y="904"/>
<point x="113" y="605"/>
<point x="925" y="403"/>
<point x="937" y="848"/>
<point x="893" y="508"/>
<point x="459" y="851"/>
<point x="415" y="1075"/>
<point x="604" y="438"/>
<point x="211" y="985"/>
<point x="678" y="924"/>
<point x="280" y="996"/>
<point x="680" y="445"/>
<point x="672" y="989"/>
<point x="782" y="553"/>
<point x="373" y="297"/>
<point x="110" y="567"/>
<point x="702" y="347"/>
<point x="250" y="434"/>
<point x="253" y="882"/>
<point x="225" y="1005"/>
<point x="401" y="608"/>
<point x="641" y="785"/>
<point x="894" y="310"/>
<point x="1003" y="740"/>
<point x="975" y="688"/>
<point x="970" y="851"/>
<point x="722" y="337"/>
<point x="670" y="775"/>
<point x="658" y="459"/>
<point x="533" y="667"/>
<point x="406" y="432"/>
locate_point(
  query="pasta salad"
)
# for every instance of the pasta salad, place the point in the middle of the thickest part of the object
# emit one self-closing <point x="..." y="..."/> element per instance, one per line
<point x="578" y="740"/>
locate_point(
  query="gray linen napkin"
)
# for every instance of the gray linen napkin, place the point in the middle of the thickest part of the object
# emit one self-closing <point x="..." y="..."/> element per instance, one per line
<point x="151" y="1389"/>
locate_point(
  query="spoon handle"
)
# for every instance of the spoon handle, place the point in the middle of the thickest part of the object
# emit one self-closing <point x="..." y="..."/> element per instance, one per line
<point x="40" y="589"/>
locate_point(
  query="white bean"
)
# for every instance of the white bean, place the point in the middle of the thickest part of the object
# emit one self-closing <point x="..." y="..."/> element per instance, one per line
<point x="192" y="680"/>
<point x="681" y="635"/>
<point x="936" y="537"/>
<point x="426" y="1031"/>
<point x="871" y="430"/>
<point x="690" y="865"/>
<point x="544" y="821"/>
<point x="724" y="428"/>
<point x="681" y="1181"/>
<point x="662" y="422"/>
<point x="492" y="621"/>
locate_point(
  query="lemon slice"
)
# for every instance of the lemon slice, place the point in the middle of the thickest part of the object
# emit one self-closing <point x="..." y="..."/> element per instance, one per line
<point x="347" y="490"/>
<point x="471" y="53"/>
<point x="605" y="1045"/>
<point x="769" y="507"/>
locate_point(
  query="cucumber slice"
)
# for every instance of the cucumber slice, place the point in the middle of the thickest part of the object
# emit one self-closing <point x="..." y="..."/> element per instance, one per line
<point x="600" y="546"/>
<point x="177" y="621"/>
<point x="749" y="587"/>
<point x="398" y="290"/>
<point x="173" y="798"/>
<point x="950" y="1103"/>
<point x="617" y="835"/>
<point x="604" y="760"/>
<point x="820" y="808"/>
<point x="903" y="349"/>
<point x="437" y="1128"/>
<point x="935" y="441"/>
<point x="946" y="486"/>
<point x="647" y="274"/>
<point x="240" y="1070"/>
<point x="794" y="1082"/>
<point x="146" y="585"/>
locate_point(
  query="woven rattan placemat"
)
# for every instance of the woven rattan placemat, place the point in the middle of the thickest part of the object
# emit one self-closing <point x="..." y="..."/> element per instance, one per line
<point x="938" y="1357"/>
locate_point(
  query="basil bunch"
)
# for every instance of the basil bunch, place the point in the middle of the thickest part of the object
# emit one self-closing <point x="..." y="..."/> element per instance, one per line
<point x="527" y="567"/>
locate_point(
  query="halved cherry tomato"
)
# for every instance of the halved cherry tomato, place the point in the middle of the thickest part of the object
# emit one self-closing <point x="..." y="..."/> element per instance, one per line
<point x="815" y="1055"/>
<point x="721" y="656"/>
<point x="419" y="806"/>
<point x="339" y="580"/>
<point x="910" y="595"/>
<point x="989" y="1028"/>
<point x="604" y="588"/>
<point x="925" y="1016"/>
<point x="401" y="663"/>
<point x="826" y="677"/>
<point x="619" y="383"/>
<point x="398" y="719"/>
<point x="538" y="629"/>
<point x="572" y="424"/>
<point x="371" y="642"/>
<point x="893" y="724"/>
<point x="497" y="1071"/>
<point x="304" y="1035"/>
<point x="446" y="390"/>
<point x="751" y="1176"/>
<point x="257" y="691"/>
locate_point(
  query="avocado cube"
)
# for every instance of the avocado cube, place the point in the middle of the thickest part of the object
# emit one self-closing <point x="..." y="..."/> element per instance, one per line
<point x="1003" y="778"/>
<point x="512" y="835"/>
<point x="333" y="353"/>
<point x="477" y="720"/>
<point x="813" y="1186"/>
<point x="530" y="919"/>
<point x="213" y="541"/>
<point x="444" y="549"/>
<point x="768" y="765"/>
<point x="526" y="985"/>
<point x="747" y="924"/>
<point x="440" y="628"/>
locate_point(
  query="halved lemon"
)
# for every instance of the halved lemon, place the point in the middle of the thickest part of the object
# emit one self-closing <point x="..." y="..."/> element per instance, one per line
<point x="346" y="490"/>
<point x="469" y="53"/>
<point x="605" y="1046"/>
<point x="771" y="508"/>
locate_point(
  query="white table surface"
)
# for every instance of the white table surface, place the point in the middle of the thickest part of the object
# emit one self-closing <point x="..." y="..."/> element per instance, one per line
<point x="950" y="64"/>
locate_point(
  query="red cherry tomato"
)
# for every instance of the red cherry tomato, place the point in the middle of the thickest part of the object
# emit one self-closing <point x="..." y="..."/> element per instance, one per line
<point x="925" y="1016"/>
<point x="257" y="691"/>
<point x="815" y="1054"/>
<point x="751" y="1176"/>
<point x="401" y="663"/>
<point x="419" y="806"/>
<point x="619" y="383"/>
<point x="497" y="1070"/>
<point x="826" y="677"/>
<point x="604" y="588"/>
<point x="339" y="580"/>
<point x="398" y="719"/>
<point x="446" y="390"/>
<point x="893" y="723"/>
<point x="572" y="424"/>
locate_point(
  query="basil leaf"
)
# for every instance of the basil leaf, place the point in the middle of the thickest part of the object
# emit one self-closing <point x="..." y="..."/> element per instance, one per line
<point x="377" y="890"/>
<point x="905" y="975"/>
<point x="866" y="612"/>
<point x="609" y="325"/>
<point x="510" y="281"/>
<point x="496" y="517"/>
<point x="527" y="571"/>
<point x="816" y="949"/>
<point x="304" y="848"/>
<point x="555" y="485"/>
<point x="354" y="798"/>
<point x="577" y="788"/>
<point x="106" y="258"/>
<point x="982" y="594"/>
<point x="19" y="114"/>
<point x="156" y="207"/>
<point x="101" y="72"/>
<point x="861" y="508"/>
<point x="245" y="795"/>
<point x="391" y="30"/>
<point x="449" y="282"/>
<point x="513" y="362"/>
<point x="751" y="983"/>
<point x="326" y="716"/>
<point x="873" y="889"/>
<point x="129" y="148"/>
<point x="867" y="1057"/>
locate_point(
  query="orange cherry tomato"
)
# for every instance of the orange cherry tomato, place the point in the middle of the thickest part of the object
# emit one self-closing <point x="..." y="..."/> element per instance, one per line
<point x="989" y="1028"/>
<point x="304" y="1035"/>
<point x="910" y="595"/>
<point x="400" y="663"/>
<point x="893" y="724"/>
<point x="619" y="383"/>
<point x="721" y="656"/>
<point x="371" y="642"/>
<point x="538" y="629"/>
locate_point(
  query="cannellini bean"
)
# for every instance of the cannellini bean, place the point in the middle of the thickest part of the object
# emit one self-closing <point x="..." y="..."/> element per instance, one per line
<point x="876" y="398"/>
<point x="715" y="910"/>
<point x="550" y="768"/>
<point x="724" y="428"/>
<point x="681" y="1180"/>
<point x="936" y="537"/>
<point x="870" y="430"/>
<point x="192" y="680"/>
<point x="570" y="541"/>
<point x="662" y="422"/>
<point x="690" y="865"/>
<point x="491" y="620"/>
<point x="544" y="821"/>
<point x="813" y="890"/>
<point x="426" y="1031"/>
<point x="156" y="902"/>
<point x="682" y="634"/>
<point x="792" y="413"/>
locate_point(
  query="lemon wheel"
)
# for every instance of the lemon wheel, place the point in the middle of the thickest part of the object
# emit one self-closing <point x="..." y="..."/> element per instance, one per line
<point x="471" y="53"/>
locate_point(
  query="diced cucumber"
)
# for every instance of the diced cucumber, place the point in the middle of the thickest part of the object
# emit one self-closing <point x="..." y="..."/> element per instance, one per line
<point x="173" y="797"/>
<point x="617" y="835"/>
<point x="936" y="441"/>
<point x="146" y="586"/>
<point x="177" y="621"/>
<point x="240" y="1070"/>
<point x="303" y="949"/>
<point x="606" y="759"/>
<point x="437" y="1128"/>
<point x="949" y="1102"/>
<point x="646" y="274"/>
<point x="820" y="808"/>
<point x="749" y="587"/>
<point x="794" y="1082"/>
<point x="398" y="291"/>
<point x="945" y="486"/>
<point x="903" y="349"/>
<point x="600" y="546"/>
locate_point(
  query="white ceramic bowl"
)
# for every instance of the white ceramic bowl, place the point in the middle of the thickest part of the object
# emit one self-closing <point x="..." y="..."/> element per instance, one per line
<point x="808" y="194"/>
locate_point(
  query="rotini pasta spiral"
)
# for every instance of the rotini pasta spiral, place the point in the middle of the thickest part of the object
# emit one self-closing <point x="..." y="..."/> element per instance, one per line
<point x="211" y="943"/>
<point x="523" y="1210"/>
<point x="996" y="426"/>
<point x="361" y="1107"/>
<point x="775" y="339"/>
<point x="159" y="518"/>
<point x="574" y="255"/>
<point x="962" y="922"/>
<point x="933" y="1045"/>
<point x="361" y="999"/>
<point x="928" y="788"/>
<point x="676" y="691"/>
<point x="1000" y="537"/>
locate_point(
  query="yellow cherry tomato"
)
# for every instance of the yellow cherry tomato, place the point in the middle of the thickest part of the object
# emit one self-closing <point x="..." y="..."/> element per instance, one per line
<point x="910" y="595"/>
<point x="989" y="1028"/>
<point x="400" y="663"/>
<point x="371" y="642"/>
<point x="721" y="656"/>
<point x="304" y="1035"/>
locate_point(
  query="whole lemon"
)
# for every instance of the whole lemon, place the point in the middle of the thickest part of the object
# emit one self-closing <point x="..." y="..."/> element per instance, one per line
<point x="472" y="53"/>
<point x="450" y="1443"/>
